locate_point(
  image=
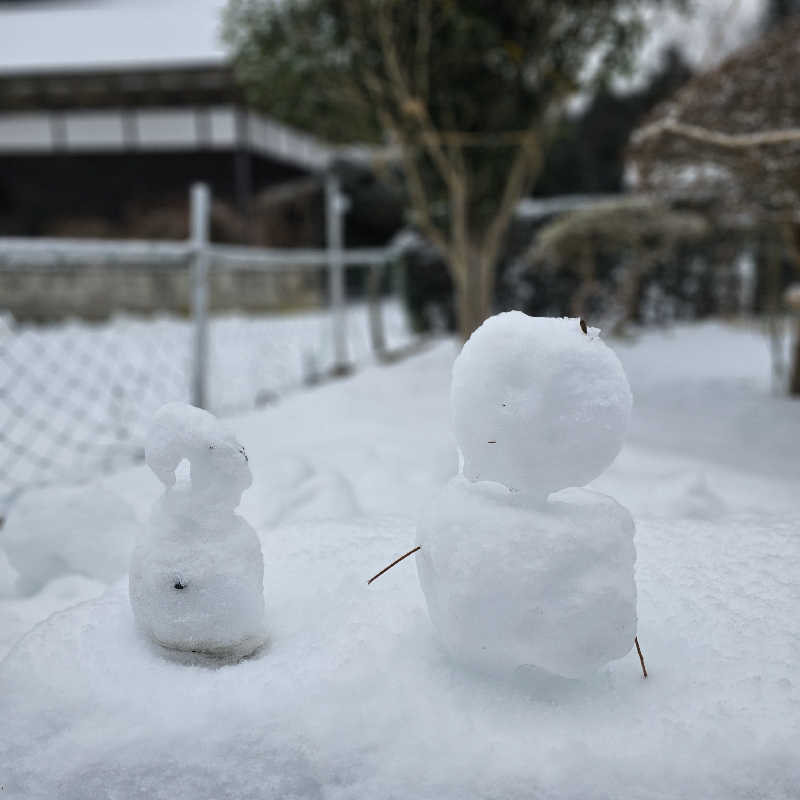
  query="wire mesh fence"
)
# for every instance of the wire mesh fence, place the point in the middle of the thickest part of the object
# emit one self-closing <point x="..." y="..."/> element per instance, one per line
<point x="76" y="396"/>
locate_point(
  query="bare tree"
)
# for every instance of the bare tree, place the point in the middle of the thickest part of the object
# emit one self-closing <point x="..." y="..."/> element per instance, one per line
<point x="463" y="90"/>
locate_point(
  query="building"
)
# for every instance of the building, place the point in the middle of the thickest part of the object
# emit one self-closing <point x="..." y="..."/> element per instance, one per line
<point x="108" y="112"/>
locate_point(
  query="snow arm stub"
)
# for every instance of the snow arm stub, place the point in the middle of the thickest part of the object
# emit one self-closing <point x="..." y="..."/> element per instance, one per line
<point x="219" y="467"/>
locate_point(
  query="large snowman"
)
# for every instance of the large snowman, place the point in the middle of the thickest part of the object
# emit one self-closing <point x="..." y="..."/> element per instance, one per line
<point x="197" y="573"/>
<point x="518" y="569"/>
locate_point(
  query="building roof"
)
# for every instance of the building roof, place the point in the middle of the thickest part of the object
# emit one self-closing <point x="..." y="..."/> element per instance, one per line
<point x="109" y="35"/>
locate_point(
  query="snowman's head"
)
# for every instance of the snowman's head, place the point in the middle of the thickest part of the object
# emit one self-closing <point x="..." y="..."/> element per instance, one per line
<point x="219" y="469"/>
<point x="538" y="403"/>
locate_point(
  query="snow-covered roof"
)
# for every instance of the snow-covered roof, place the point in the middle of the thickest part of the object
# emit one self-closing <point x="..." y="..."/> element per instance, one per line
<point x="84" y="35"/>
<point x="110" y="34"/>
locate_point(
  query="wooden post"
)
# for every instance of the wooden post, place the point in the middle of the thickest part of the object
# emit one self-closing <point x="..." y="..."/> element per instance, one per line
<point x="199" y="236"/>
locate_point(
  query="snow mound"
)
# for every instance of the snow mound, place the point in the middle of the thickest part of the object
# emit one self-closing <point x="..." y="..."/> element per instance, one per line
<point x="512" y="583"/>
<point x="196" y="578"/>
<point x="538" y="404"/>
<point x="54" y="531"/>
<point x="21" y="614"/>
<point x="8" y="577"/>
<point x="296" y="489"/>
<point x="688" y="496"/>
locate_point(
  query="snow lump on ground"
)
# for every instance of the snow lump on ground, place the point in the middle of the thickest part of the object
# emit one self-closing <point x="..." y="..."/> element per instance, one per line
<point x="197" y="577"/>
<point x="85" y="530"/>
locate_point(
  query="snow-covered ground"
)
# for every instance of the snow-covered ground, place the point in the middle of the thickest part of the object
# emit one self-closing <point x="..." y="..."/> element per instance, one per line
<point x="354" y="698"/>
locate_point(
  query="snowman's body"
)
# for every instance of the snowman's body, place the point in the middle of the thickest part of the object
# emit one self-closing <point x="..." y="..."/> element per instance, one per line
<point x="196" y="578"/>
<point x="510" y="582"/>
<point x="515" y="572"/>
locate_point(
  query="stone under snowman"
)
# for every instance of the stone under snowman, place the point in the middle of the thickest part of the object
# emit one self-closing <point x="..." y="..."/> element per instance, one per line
<point x="519" y="568"/>
<point x="197" y="572"/>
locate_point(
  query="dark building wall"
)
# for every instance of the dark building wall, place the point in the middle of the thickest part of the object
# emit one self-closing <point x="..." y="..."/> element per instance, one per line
<point x="145" y="195"/>
<point x="129" y="194"/>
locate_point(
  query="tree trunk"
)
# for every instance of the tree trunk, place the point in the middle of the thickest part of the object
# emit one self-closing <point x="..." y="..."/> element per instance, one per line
<point x="794" y="385"/>
<point x="791" y="235"/>
<point x="474" y="295"/>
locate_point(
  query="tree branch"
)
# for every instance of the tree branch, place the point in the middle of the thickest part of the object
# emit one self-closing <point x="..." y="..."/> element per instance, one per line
<point x="413" y="107"/>
<point x="423" y="48"/>
<point x="522" y="168"/>
<point x="729" y="141"/>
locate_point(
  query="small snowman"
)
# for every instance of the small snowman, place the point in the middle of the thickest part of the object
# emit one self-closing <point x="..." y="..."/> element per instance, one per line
<point x="518" y="569"/>
<point x="197" y="573"/>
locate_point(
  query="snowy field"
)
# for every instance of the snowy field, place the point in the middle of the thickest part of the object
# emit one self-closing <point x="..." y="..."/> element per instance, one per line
<point x="77" y="396"/>
<point x="353" y="697"/>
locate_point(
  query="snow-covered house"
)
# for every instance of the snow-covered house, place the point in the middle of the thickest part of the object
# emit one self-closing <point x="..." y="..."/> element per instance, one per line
<point x="109" y="111"/>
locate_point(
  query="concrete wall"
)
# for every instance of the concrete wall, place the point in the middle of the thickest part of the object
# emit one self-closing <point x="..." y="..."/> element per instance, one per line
<point x="96" y="292"/>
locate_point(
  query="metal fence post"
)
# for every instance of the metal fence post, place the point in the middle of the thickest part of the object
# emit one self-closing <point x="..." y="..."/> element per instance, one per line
<point x="199" y="236"/>
<point x="375" y="309"/>
<point x="335" y="207"/>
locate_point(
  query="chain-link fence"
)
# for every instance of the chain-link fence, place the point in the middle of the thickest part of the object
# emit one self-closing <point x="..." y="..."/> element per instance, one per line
<point x="76" y="395"/>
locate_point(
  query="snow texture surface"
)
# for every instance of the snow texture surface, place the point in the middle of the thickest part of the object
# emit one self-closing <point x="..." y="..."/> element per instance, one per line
<point x="538" y="404"/>
<point x="197" y="576"/>
<point x="355" y="698"/>
<point x="85" y="530"/>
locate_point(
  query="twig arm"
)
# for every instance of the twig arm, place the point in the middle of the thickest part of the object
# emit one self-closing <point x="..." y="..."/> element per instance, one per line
<point x="641" y="657"/>
<point x="396" y="561"/>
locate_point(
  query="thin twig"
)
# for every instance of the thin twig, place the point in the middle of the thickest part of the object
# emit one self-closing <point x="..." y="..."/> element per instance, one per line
<point x="638" y="650"/>
<point x="385" y="569"/>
